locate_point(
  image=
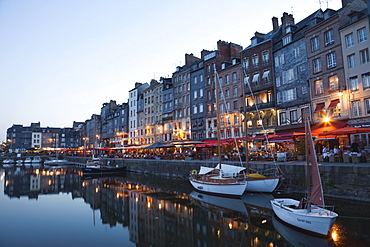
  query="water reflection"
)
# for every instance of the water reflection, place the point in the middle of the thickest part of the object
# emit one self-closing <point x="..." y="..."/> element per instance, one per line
<point x="158" y="216"/>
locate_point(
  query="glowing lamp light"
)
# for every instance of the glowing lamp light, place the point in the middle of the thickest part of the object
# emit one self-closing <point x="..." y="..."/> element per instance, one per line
<point x="230" y="226"/>
<point x="326" y="119"/>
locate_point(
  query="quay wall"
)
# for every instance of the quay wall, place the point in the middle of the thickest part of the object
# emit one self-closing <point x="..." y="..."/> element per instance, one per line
<point x="340" y="180"/>
<point x="348" y="181"/>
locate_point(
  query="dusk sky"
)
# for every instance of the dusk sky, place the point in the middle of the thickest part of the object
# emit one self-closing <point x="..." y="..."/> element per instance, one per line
<point x="61" y="60"/>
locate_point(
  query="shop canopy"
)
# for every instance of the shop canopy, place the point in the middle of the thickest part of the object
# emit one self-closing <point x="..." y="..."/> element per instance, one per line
<point x="346" y="131"/>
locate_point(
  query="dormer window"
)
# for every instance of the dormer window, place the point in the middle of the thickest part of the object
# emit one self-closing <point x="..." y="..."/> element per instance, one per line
<point x="223" y="66"/>
<point x="288" y="29"/>
<point x="287" y="39"/>
<point x="254" y="41"/>
<point x="233" y="61"/>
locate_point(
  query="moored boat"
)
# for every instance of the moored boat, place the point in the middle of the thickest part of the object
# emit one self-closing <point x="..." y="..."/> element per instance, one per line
<point x="310" y="213"/>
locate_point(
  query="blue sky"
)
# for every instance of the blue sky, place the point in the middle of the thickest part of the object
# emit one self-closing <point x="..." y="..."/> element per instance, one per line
<point x="61" y="60"/>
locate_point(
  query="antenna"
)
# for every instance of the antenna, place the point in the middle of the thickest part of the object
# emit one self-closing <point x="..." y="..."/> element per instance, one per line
<point x="291" y="9"/>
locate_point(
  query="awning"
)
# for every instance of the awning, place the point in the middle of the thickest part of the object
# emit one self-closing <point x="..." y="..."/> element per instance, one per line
<point x="246" y="79"/>
<point x="256" y="116"/>
<point x="333" y="104"/>
<point x="266" y="74"/>
<point x="321" y="128"/>
<point x="255" y="77"/>
<point x="267" y="115"/>
<point x="319" y="107"/>
<point x="281" y="139"/>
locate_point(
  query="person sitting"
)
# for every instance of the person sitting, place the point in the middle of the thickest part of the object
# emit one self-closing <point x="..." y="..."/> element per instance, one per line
<point x="336" y="150"/>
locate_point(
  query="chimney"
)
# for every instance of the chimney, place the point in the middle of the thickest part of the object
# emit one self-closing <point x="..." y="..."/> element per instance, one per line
<point x="275" y="24"/>
<point x="137" y="84"/>
<point x="287" y="19"/>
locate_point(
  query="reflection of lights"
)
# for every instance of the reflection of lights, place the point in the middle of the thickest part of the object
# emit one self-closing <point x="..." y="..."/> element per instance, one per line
<point x="255" y="240"/>
<point x="335" y="234"/>
<point x="136" y="199"/>
<point x="83" y="184"/>
<point x="137" y="187"/>
<point x="160" y="206"/>
<point x="6" y="183"/>
<point x="49" y="182"/>
<point x="37" y="171"/>
<point x="2" y="176"/>
<point x="117" y="195"/>
<point x="218" y="233"/>
<point x="271" y="244"/>
<point x="230" y="226"/>
<point x="149" y="204"/>
<point x="246" y="226"/>
<point x="263" y="221"/>
<point x="96" y="190"/>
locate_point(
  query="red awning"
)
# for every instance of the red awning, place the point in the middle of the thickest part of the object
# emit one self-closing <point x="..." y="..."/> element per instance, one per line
<point x="333" y="104"/>
<point x="320" y="128"/>
<point x="319" y="107"/>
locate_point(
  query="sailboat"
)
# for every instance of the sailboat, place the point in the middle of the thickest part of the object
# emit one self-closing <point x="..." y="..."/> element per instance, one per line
<point x="309" y="214"/>
<point x="224" y="180"/>
<point x="265" y="181"/>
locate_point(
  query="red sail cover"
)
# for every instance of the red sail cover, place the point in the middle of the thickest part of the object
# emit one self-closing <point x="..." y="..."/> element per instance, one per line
<point x="316" y="196"/>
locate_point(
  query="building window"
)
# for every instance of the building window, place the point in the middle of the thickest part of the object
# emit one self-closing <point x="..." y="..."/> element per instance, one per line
<point x="265" y="57"/>
<point x="349" y="40"/>
<point x="255" y="60"/>
<point x="220" y="81"/>
<point x="319" y="87"/>
<point x="362" y="36"/>
<point x="333" y="83"/>
<point x="353" y="83"/>
<point x="364" y="56"/>
<point x="227" y="79"/>
<point x="227" y="93"/>
<point x="315" y="44"/>
<point x="367" y="106"/>
<point x="235" y="91"/>
<point x="289" y="95"/>
<point x="294" y="116"/>
<point x="366" y="80"/>
<point x="266" y="76"/>
<point x="282" y="118"/>
<point x="235" y="104"/>
<point x="356" y="108"/>
<point x="331" y="60"/>
<point x="277" y="81"/>
<point x="287" y="39"/>
<point x="234" y="77"/>
<point x="351" y="61"/>
<point x="329" y="37"/>
<point x="195" y="82"/>
<point x="195" y="94"/>
<point x="316" y="65"/>
<point x="245" y="63"/>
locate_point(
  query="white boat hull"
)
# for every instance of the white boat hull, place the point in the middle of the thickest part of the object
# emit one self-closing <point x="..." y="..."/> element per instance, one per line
<point x="230" y="189"/>
<point x="318" y="220"/>
<point x="262" y="185"/>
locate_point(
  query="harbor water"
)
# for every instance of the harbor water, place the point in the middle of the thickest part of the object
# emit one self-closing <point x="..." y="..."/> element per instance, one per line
<point x="58" y="206"/>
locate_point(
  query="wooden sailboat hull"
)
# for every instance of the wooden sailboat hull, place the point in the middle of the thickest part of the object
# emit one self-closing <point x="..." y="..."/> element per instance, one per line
<point x="318" y="220"/>
<point x="262" y="185"/>
<point x="218" y="186"/>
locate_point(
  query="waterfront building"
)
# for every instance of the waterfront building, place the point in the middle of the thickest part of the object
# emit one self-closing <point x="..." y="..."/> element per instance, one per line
<point x="167" y="110"/>
<point x="354" y="34"/>
<point x="328" y="87"/>
<point x="152" y="129"/>
<point x="197" y="99"/>
<point x="181" y="99"/>
<point x="133" y="122"/>
<point x="291" y="72"/>
<point x="258" y="74"/>
<point x="93" y="131"/>
<point x="225" y="52"/>
<point x="230" y="80"/>
<point x="107" y="124"/>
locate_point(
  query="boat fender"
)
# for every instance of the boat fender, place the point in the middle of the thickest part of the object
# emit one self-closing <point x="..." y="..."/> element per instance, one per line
<point x="194" y="172"/>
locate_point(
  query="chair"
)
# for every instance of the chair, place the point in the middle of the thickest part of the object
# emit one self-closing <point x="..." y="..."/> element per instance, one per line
<point x="355" y="158"/>
<point x="346" y="158"/>
<point x="321" y="159"/>
<point x="332" y="158"/>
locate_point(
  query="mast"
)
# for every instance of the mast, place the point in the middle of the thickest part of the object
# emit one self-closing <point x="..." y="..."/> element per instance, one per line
<point x="245" y="126"/>
<point x="308" y="177"/>
<point x="218" y="118"/>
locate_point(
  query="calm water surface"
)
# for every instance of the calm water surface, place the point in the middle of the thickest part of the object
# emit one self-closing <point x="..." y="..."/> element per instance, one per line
<point x="60" y="207"/>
